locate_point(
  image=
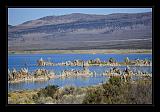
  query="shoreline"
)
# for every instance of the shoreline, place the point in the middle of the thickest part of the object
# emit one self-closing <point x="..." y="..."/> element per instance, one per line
<point x="71" y="74"/>
<point x="92" y="51"/>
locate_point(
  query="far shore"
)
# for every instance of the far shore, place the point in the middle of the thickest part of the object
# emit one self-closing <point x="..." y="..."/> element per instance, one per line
<point x="92" y="51"/>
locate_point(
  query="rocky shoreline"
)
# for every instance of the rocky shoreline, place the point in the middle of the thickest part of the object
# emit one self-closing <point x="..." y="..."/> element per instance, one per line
<point x="97" y="62"/>
<point x="43" y="75"/>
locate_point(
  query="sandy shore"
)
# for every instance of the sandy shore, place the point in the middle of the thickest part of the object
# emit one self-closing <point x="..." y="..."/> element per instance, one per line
<point x="92" y="51"/>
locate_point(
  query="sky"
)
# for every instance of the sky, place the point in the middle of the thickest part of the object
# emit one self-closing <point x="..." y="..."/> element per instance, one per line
<point x="19" y="15"/>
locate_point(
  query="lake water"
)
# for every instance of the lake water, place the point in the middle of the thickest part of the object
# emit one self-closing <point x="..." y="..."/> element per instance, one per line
<point x="19" y="61"/>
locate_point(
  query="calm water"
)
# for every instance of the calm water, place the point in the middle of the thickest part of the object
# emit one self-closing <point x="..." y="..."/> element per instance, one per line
<point x="18" y="61"/>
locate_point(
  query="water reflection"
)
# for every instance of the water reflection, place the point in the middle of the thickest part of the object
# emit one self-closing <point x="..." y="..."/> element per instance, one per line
<point x="80" y="82"/>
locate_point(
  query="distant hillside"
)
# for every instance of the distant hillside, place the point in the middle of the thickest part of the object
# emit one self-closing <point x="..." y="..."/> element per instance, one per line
<point x="83" y="31"/>
<point x="10" y="26"/>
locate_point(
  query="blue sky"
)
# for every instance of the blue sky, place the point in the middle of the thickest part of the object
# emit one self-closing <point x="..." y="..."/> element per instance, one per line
<point x="19" y="15"/>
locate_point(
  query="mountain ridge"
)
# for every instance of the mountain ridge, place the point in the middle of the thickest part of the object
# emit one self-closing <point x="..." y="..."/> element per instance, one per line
<point x="58" y="32"/>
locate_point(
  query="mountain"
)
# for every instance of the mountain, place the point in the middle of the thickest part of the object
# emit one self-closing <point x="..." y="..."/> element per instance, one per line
<point x="83" y="31"/>
<point x="10" y="26"/>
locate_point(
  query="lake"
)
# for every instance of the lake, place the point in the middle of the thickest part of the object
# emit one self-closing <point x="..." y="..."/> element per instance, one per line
<point x="19" y="61"/>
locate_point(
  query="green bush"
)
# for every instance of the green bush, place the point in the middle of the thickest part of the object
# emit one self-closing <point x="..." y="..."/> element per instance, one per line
<point x="115" y="81"/>
<point x="48" y="91"/>
<point x="139" y="92"/>
<point x="93" y="96"/>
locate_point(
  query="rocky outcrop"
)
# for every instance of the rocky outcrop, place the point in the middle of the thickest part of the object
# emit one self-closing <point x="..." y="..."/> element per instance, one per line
<point x="76" y="73"/>
<point x="17" y="75"/>
<point x="126" y="74"/>
<point x="42" y="62"/>
<point x="24" y="75"/>
<point x="42" y="74"/>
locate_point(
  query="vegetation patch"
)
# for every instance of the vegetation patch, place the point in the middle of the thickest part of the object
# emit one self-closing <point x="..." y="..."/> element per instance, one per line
<point x="114" y="91"/>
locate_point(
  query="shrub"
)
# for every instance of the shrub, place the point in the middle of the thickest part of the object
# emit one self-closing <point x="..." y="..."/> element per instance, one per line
<point x="24" y="100"/>
<point x="93" y="96"/>
<point x="111" y="93"/>
<point x="48" y="91"/>
<point x="69" y="90"/>
<point x="70" y="99"/>
<point x="35" y="97"/>
<point x="140" y="93"/>
<point x="48" y="100"/>
<point x="67" y="99"/>
<point x="115" y="81"/>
